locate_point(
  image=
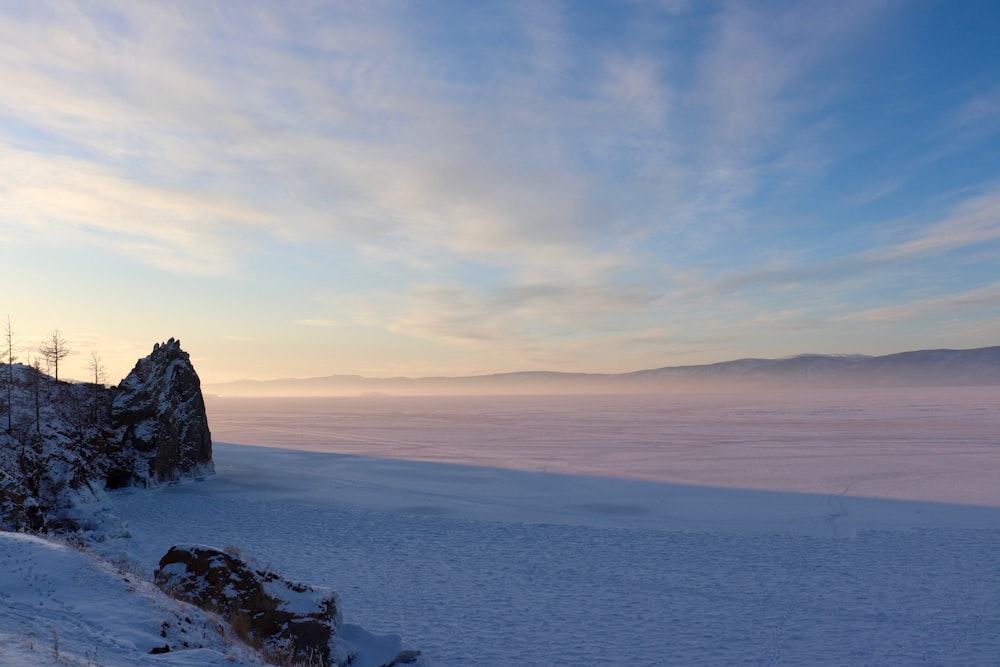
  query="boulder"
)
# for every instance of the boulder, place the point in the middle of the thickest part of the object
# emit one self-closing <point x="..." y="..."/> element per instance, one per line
<point x="406" y="657"/>
<point x="160" y="412"/>
<point x="288" y="621"/>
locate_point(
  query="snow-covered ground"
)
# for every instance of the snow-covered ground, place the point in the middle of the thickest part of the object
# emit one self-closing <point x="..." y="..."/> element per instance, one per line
<point x="61" y="606"/>
<point x="827" y="529"/>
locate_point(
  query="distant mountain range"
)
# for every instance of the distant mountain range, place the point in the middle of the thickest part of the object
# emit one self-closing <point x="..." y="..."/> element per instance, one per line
<point x="918" y="368"/>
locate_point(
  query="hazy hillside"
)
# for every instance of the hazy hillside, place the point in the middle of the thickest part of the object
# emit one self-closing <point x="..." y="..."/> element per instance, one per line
<point x="917" y="368"/>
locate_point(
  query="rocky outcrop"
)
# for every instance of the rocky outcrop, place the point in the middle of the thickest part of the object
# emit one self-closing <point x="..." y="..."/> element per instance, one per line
<point x="160" y="412"/>
<point x="67" y="442"/>
<point x="291" y="621"/>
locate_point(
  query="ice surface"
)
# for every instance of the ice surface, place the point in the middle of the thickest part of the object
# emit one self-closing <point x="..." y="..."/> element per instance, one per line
<point x="766" y="530"/>
<point x="931" y="444"/>
<point x="503" y="592"/>
<point x="822" y="529"/>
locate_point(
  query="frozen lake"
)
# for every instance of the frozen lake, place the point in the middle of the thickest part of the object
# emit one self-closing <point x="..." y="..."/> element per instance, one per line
<point x="932" y="444"/>
<point x="774" y="529"/>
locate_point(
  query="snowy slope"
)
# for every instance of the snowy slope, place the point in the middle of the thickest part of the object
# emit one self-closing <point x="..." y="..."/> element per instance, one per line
<point x="65" y="607"/>
<point x="60" y="606"/>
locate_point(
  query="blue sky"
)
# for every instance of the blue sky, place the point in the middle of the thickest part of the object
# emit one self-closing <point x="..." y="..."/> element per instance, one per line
<point x="412" y="188"/>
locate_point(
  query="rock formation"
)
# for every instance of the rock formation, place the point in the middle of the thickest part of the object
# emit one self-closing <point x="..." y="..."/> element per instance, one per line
<point x="68" y="440"/>
<point x="292" y="621"/>
<point x="160" y="412"/>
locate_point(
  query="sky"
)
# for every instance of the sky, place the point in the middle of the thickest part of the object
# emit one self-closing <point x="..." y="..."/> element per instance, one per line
<point x="298" y="189"/>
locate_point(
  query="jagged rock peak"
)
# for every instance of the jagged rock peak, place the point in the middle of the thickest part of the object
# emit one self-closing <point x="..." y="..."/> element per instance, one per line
<point x="160" y="410"/>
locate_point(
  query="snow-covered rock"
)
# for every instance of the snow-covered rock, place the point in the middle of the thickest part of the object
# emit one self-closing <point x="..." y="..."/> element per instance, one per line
<point x="159" y="411"/>
<point x="294" y="621"/>
<point x="65" y="443"/>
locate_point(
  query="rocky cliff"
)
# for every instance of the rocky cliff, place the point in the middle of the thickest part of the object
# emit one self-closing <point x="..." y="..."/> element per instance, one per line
<point x="69" y="441"/>
<point x="159" y="413"/>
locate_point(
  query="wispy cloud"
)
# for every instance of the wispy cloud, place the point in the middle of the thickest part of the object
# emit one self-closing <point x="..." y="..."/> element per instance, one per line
<point x="530" y="312"/>
<point x="980" y="114"/>
<point x="758" y="78"/>
<point x="436" y="165"/>
<point x="74" y="201"/>
<point x="968" y="224"/>
<point x="539" y="176"/>
<point x="316" y="323"/>
<point x="972" y="222"/>
<point x="987" y="297"/>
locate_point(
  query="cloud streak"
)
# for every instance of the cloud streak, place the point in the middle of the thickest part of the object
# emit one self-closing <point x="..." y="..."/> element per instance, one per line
<point x="969" y="224"/>
<point x="316" y="322"/>
<point x="987" y="297"/>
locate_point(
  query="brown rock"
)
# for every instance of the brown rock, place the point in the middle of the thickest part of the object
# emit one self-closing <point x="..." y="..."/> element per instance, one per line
<point x="283" y="618"/>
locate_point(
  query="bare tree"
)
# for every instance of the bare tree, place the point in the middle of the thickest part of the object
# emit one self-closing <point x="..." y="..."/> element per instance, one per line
<point x="8" y="357"/>
<point x="97" y="368"/>
<point x="100" y="377"/>
<point x="54" y="349"/>
<point x="35" y="385"/>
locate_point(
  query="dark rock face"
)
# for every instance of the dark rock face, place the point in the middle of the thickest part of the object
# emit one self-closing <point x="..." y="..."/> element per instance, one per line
<point x="289" y="621"/>
<point x="160" y="412"/>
